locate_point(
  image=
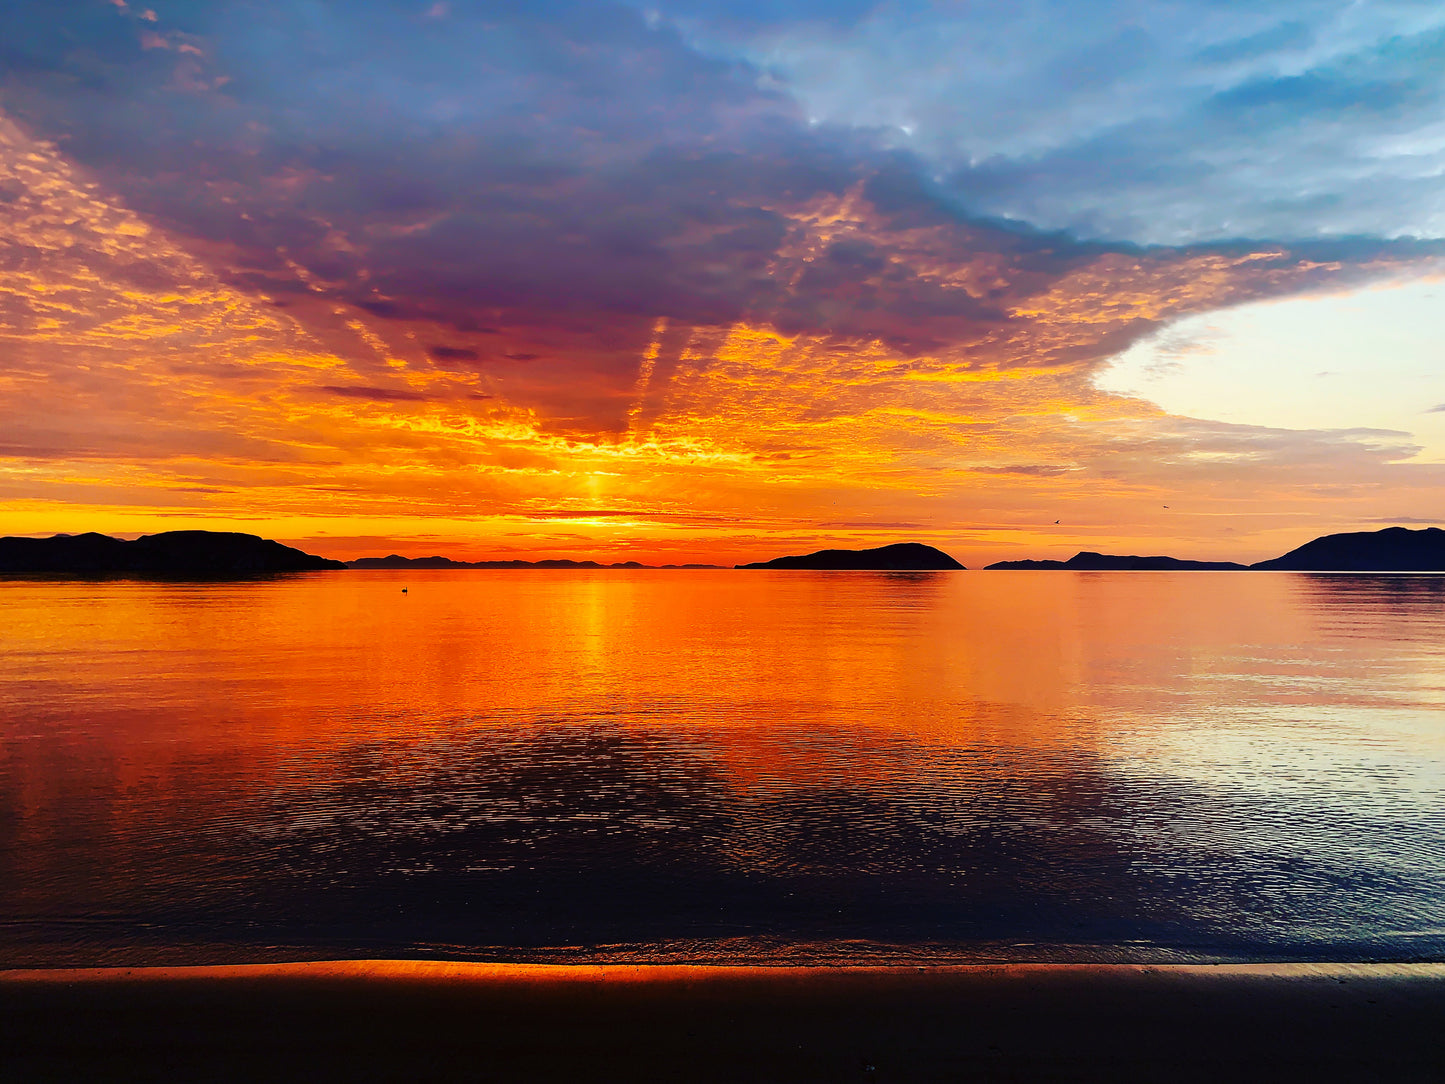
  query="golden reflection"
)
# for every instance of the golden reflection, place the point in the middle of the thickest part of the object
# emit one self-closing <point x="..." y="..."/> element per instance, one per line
<point x="1003" y="658"/>
<point x="511" y="757"/>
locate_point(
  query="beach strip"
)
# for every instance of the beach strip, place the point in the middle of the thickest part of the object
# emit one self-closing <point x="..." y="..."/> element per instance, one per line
<point x="365" y="1020"/>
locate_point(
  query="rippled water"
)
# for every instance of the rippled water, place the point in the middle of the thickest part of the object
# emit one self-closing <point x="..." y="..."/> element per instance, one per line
<point x="723" y="766"/>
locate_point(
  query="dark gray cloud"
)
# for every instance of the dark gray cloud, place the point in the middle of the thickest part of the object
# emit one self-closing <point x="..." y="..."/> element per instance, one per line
<point x="492" y="158"/>
<point x="571" y="161"/>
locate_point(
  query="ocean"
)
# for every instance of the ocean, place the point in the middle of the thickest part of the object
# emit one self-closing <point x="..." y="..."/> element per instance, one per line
<point x="723" y="767"/>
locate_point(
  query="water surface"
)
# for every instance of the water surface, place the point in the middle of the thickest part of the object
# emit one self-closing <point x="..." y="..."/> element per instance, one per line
<point x="695" y="765"/>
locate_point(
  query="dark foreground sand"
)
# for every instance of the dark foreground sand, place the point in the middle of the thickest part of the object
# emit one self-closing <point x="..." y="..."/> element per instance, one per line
<point x="387" y="1020"/>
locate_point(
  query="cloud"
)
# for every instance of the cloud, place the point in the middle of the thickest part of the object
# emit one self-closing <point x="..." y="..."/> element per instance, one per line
<point x="517" y="152"/>
<point x="1133" y="120"/>
<point x="380" y="395"/>
<point x="631" y="514"/>
<point x="870" y="525"/>
<point x="1289" y="37"/>
<point x="566" y="166"/>
<point x="453" y="353"/>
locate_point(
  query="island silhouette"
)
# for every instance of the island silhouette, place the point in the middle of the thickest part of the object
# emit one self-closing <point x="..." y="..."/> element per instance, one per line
<point x="1394" y="549"/>
<point x="1089" y="561"/>
<point x="201" y="554"/>
<point x="901" y="556"/>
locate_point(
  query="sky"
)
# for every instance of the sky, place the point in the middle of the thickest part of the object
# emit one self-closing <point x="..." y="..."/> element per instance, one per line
<point x="717" y="280"/>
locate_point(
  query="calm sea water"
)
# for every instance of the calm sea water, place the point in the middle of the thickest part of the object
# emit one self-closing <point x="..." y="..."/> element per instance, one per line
<point x="545" y="765"/>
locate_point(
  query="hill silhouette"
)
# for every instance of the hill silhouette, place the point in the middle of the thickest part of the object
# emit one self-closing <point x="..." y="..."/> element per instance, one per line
<point x="1088" y="561"/>
<point x="901" y="556"/>
<point x="1394" y="549"/>
<point x="199" y="554"/>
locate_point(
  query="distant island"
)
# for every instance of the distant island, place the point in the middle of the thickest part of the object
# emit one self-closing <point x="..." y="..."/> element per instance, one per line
<point x="199" y="554"/>
<point x="1393" y="549"/>
<point x="900" y="557"/>
<point x="397" y="561"/>
<point x="1088" y="561"/>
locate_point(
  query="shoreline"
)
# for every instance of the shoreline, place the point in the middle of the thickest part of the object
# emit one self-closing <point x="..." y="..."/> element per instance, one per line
<point x="436" y="1020"/>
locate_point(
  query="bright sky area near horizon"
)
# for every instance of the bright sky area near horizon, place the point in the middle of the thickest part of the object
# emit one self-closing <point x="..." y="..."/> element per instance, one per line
<point x="716" y="280"/>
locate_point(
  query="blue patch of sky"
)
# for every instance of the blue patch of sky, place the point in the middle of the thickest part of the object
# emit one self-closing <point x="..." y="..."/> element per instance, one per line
<point x="1131" y="120"/>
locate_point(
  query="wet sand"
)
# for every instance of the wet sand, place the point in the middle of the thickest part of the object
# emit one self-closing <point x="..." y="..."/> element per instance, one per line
<point x="399" y="1020"/>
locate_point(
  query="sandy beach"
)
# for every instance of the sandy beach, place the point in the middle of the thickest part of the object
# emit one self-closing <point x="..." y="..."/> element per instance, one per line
<point x="406" y="1020"/>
